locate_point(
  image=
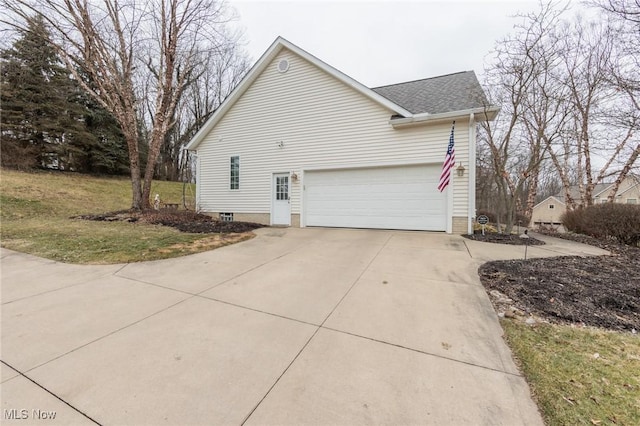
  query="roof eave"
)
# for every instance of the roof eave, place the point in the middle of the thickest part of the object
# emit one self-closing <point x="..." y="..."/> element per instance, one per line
<point x="482" y="113"/>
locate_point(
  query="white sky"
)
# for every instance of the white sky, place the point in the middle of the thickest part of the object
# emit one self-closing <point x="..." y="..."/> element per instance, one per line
<point x="384" y="42"/>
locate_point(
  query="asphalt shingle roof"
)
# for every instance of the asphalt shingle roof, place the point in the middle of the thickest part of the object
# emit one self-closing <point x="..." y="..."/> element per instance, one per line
<point x="451" y="92"/>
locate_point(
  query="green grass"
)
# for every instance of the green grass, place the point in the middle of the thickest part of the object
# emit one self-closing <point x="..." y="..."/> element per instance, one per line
<point x="579" y="376"/>
<point x="35" y="210"/>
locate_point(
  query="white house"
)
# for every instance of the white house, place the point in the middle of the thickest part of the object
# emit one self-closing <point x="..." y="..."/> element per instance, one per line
<point x="299" y="143"/>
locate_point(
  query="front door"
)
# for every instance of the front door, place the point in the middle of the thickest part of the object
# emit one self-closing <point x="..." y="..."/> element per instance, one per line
<point x="281" y="202"/>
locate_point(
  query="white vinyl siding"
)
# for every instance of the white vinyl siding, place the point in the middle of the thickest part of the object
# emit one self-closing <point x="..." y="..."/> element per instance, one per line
<point x="303" y="120"/>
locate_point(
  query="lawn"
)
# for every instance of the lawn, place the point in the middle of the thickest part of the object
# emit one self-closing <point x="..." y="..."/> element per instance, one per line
<point x="579" y="376"/>
<point x="36" y="210"/>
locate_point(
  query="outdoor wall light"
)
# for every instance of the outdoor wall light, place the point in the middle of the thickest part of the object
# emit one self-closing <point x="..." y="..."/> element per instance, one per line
<point x="294" y="176"/>
<point x="281" y="144"/>
<point x="460" y="170"/>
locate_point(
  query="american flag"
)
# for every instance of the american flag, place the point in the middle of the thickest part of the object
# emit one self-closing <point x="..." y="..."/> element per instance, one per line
<point x="449" y="162"/>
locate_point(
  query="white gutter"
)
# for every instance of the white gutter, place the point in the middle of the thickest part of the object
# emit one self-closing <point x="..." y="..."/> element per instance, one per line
<point x="482" y="113"/>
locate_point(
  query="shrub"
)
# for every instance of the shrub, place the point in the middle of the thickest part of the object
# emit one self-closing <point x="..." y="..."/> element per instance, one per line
<point x="522" y="219"/>
<point x="487" y="213"/>
<point x="573" y="220"/>
<point x="17" y="155"/>
<point x="619" y="221"/>
<point x="488" y="228"/>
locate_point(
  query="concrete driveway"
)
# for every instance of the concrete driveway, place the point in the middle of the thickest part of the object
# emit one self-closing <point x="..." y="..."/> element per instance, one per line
<point x="297" y="326"/>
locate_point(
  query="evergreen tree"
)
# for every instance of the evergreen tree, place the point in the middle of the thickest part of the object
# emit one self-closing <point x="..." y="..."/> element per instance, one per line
<point x="33" y="99"/>
<point x="47" y="119"/>
<point x="106" y="151"/>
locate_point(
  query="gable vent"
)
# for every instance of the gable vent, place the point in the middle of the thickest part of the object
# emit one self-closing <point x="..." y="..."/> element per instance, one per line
<point x="283" y="65"/>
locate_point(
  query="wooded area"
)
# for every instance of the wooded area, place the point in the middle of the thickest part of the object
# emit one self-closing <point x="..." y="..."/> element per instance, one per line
<point x="145" y="75"/>
<point x="569" y="89"/>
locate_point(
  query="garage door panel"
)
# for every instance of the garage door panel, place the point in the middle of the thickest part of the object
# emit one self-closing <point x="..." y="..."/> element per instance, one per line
<point x="391" y="198"/>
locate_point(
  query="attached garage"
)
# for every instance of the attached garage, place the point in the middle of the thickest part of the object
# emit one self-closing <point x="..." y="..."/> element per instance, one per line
<point x="403" y="197"/>
<point x="299" y="143"/>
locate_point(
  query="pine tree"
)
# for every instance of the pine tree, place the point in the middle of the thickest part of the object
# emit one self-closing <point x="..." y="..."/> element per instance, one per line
<point x="47" y="120"/>
<point x="106" y="152"/>
<point x="33" y="84"/>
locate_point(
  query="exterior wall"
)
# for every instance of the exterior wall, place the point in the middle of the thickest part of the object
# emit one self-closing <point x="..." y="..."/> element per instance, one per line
<point x="460" y="225"/>
<point x="305" y="119"/>
<point x="629" y="189"/>
<point x="543" y="214"/>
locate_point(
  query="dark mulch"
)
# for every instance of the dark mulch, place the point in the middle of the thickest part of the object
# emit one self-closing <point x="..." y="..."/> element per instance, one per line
<point x="185" y="221"/>
<point x="494" y="237"/>
<point x="609" y="244"/>
<point x="600" y="291"/>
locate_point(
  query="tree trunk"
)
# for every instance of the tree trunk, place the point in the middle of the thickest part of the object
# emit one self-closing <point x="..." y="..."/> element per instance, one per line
<point x="623" y="174"/>
<point x="134" y="167"/>
<point x="136" y="188"/>
<point x="533" y="193"/>
<point x="152" y="157"/>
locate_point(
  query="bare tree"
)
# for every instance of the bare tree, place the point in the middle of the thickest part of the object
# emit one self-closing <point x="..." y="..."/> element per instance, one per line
<point x="220" y="74"/>
<point x="117" y="44"/>
<point x="570" y="95"/>
<point x="600" y="124"/>
<point x="516" y="80"/>
<point x="625" y="74"/>
<point x="629" y="10"/>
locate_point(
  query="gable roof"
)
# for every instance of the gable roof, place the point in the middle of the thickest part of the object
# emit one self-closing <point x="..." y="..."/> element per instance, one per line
<point x="607" y="186"/>
<point x="446" y="93"/>
<point x="389" y="101"/>
<point x="574" y="191"/>
<point x="599" y="189"/>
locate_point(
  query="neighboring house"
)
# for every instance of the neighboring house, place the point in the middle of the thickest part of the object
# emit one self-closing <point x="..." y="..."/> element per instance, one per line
<point x="628" y="192"/>
<point x="550" y="210"/>
<point x="299" y="143"/>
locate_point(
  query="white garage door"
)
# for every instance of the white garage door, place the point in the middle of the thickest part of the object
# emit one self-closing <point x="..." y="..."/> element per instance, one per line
<point x="384" y="197"/>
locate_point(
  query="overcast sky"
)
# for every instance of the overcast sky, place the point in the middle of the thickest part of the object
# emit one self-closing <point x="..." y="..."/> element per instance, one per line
<point x="383" y="42"/>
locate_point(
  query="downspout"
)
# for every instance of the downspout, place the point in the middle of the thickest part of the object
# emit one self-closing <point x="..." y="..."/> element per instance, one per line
<point x="197" y="157"/>
<point x="472" y="173"/>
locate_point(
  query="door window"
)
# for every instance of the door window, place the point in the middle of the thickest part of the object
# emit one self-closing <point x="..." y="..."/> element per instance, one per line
<point x="282" y="188"/>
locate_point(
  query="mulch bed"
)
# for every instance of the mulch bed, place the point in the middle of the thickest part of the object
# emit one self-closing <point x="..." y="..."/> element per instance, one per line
<point x="494" y="237"/>
<point x="185" y="221"/>
<point x="599" y="291"/>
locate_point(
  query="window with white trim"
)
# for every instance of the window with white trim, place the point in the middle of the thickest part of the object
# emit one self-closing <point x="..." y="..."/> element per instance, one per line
<point x="234" y="172"/>
<point x="632" y="201"/>
<point x="552" y="206"/>
<point x="226" y="217"/>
